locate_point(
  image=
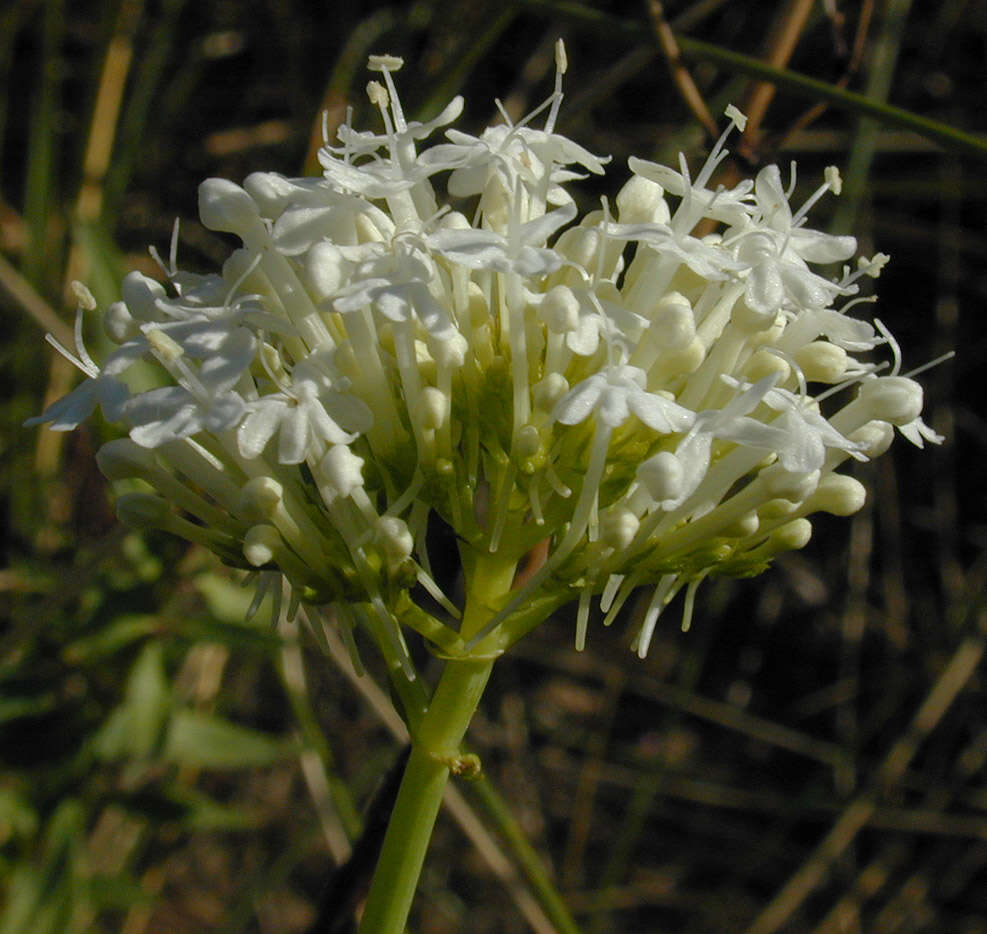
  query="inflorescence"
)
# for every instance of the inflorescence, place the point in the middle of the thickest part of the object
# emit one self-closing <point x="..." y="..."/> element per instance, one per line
<point x="641" y="394"/>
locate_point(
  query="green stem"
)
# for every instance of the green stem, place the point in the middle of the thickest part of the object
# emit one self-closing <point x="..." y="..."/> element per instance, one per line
<point x="435" y="749"/>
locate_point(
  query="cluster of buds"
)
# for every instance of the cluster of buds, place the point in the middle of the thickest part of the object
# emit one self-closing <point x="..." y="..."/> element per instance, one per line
<point x="659" y="392"/>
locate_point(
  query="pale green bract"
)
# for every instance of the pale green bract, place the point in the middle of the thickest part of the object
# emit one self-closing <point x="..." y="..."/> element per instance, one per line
<point x="647" y="404"/>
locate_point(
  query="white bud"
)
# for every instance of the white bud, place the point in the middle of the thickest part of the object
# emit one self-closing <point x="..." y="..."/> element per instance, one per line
<point x="225" y="206"/>
<point x="822" y="362"/>
<point x="450" y="351"/>
<point x="479" y="311"/>
<point x="642" y="201"/>
<point x="435" y="406"/>
<point x="560" y="310"/>
<point x="342" y="469"/>
<point x="141" y="292"/>
<point x="875" y="436"/>
<point x="270" y="356"/>
<point x="673" y="324"/>
<point x="548" y="391"/>
<point x="686" y="359"/>
<point x="270" y="192"/>
<point x="238" y="267"/>
<point x="838" y="495"/>
<point x="262" y="544"/>
<point x="395" y="539"/>
<point x="324" y="266"/>
<point x="260" y="498"/>
<point x="455" y="220"/>
<point x="744" y="527"/>
<point x="618" y="527"/>
<point x="750" y="321"/>
<point x="788" y="484"/>
<point x="580" y="245"/>
<point x="764" y="363"/>
<point x="119" y="323"/>
<point x="662" y="476"/>
<point x="791" y="537"/>
<point x="894" y="399"/>
<point x="777" y="508"/>
<point x="528" y="441"/>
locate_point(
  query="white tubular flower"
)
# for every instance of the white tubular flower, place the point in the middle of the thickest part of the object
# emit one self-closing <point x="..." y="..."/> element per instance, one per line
<point x="634" y="398"/>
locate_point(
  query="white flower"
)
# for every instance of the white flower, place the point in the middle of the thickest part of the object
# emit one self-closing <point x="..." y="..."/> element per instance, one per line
<point x="614" y="394"/>
<point x="308" y="412"/>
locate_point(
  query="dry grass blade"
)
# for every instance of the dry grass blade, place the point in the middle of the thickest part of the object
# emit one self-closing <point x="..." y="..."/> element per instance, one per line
<point x="857" y="814"/>
<point x="680" y="74"/>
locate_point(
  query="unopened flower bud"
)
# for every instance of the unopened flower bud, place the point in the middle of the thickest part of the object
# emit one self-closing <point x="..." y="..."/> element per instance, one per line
<point x="260" y="498"/>
<point x="686" y="359"/>
<point x="395" y="539"/>
<point x="790" y="537"/>
<point x="225" y="206"/>
<point x="764" y="363"/>
<point x="450" y="351"/>
<point x="324" y="265"/>
<point x="838" y="495"/>
<point x="435" y="405"/>
<point x="642" y="201"/>
<point x="579" y="245"/>
<point x="875" y="436"/>
<point x="894" y="399"/>
<point x="750" y="320"/>
<point x="662" y="476"/>
<point x="744" y="527"/>
<point x="549" y="391"/>
<point x="792" y="485"/>
<point x="822" y="362"/>
<point x="673" y="323"/>
<point x="342" y="469"/>
<point x="560" y="310"/>
<point x="529" y="441"/>
<point x="269" y="191"/>
<point x="141" y="293"/>
<point x="776" y="509"/>
<point x="262" y="544"/>
<point x="119" y="323"/>
<point x="618" y="527"/>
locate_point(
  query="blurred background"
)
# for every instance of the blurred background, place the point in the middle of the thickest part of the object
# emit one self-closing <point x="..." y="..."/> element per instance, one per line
<point x="810" y="757"/>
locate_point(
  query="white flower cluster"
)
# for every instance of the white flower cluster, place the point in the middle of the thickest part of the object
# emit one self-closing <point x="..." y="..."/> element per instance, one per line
<point x="643" y="394"/>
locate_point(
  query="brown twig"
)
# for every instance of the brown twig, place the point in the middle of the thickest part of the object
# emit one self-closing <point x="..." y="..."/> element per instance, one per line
<point x="680" y="74"/>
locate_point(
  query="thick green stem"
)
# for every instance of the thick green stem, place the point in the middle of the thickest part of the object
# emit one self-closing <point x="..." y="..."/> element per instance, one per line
<point x="435" y="751"/>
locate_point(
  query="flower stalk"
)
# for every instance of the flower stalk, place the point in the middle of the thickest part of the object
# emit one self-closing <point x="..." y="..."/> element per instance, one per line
<point x="435" y="752"/>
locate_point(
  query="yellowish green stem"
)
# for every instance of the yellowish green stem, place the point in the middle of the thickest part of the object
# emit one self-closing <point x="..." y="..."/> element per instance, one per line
<point x="435" y="751"/>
